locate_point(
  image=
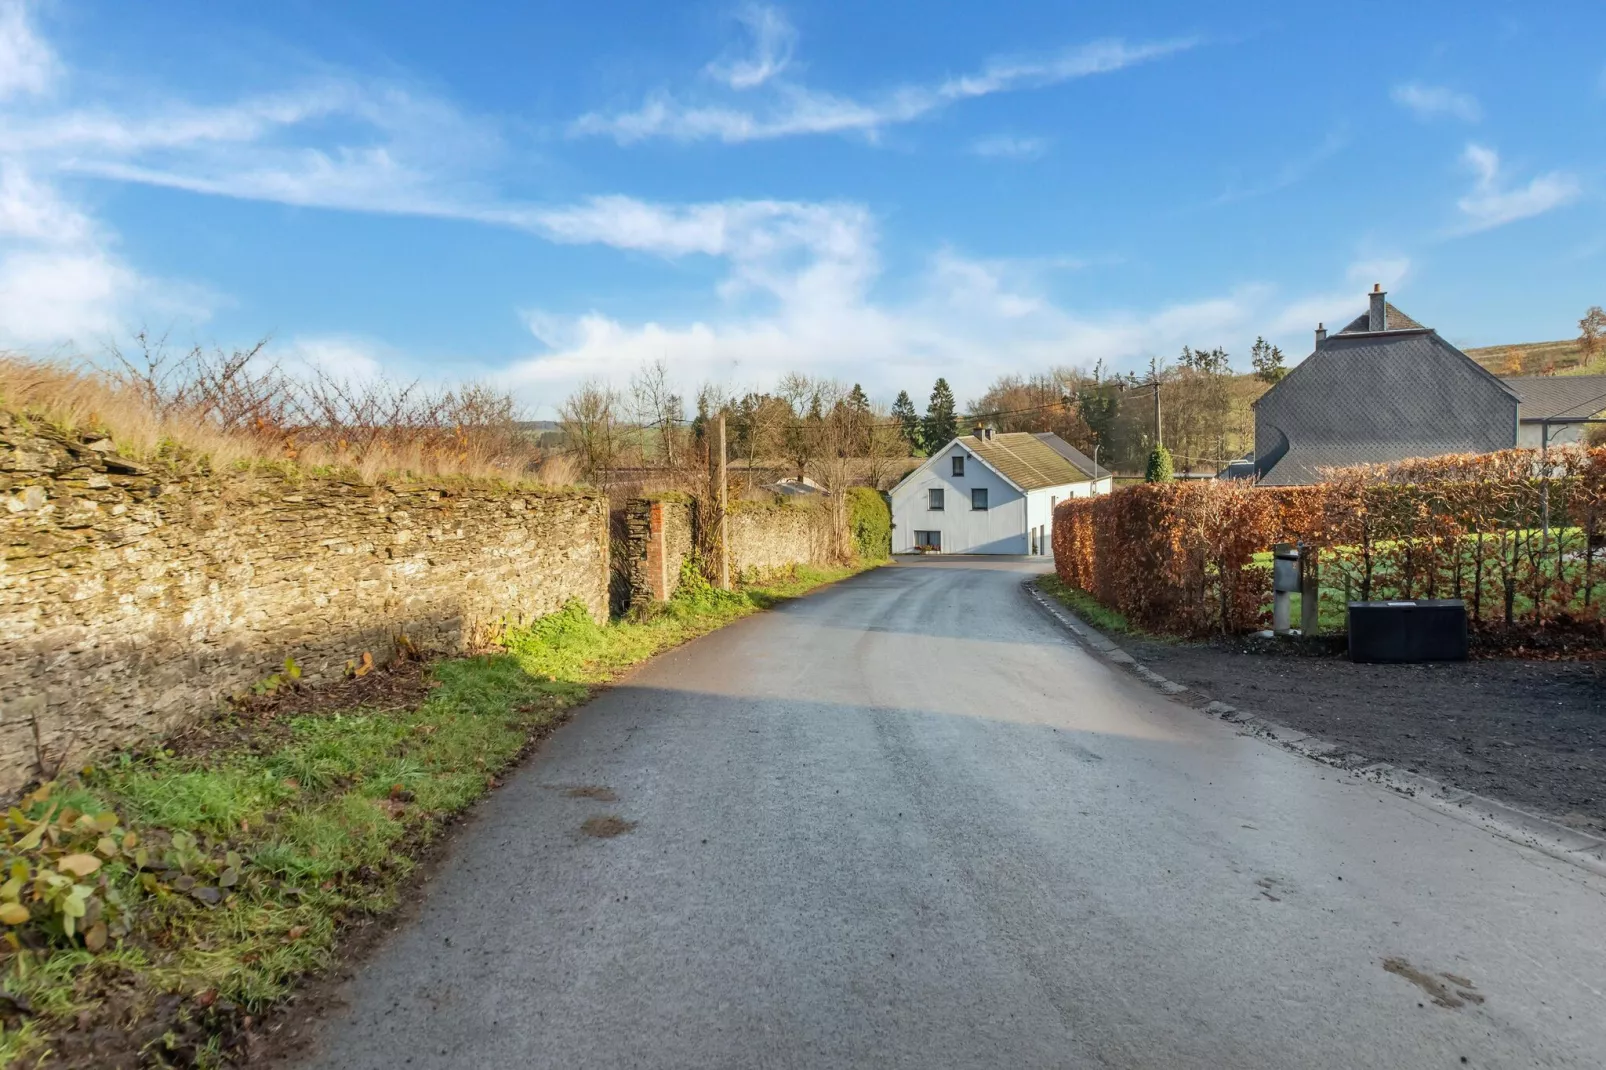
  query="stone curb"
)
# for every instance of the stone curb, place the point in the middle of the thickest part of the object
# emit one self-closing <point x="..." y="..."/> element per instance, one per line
<point x="1540" y="833"/>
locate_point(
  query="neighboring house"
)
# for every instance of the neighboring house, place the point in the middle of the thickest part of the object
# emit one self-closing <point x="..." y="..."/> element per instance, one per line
<point x="794" y="487"/>
<point x="1561" y="401"/>
<point x="988" y="493"/>
<point x="1383" y="389"/>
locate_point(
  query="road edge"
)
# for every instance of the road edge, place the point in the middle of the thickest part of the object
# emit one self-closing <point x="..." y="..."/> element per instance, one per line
<point x="1530" y="830"/>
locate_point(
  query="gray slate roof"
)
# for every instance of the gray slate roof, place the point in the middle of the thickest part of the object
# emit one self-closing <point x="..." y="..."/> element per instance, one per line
<point x="1365" y="398"/>
<point x="1072" y="454"/>
<point x="1550" y="397"/>
<point x="1396" y="321"/>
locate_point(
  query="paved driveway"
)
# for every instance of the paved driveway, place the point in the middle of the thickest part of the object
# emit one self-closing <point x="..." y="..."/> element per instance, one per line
<point x="906" y="823"/>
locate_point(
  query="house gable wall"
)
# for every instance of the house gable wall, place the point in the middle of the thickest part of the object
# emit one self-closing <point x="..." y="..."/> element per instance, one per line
<point x="1372" y="398"/>
<point x="1000" y="529"/>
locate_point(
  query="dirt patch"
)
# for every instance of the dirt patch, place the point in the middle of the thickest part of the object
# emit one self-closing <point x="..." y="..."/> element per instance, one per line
<point x="1530" y="733"/>
<point x="1442" y="994"/>
<point x="593" y="791"/>
<point x="258" y="724"/>
<point x="606" y="828"/>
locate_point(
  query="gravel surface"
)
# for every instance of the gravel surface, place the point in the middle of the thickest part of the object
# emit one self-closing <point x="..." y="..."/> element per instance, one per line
<point x="1530" y="733"/>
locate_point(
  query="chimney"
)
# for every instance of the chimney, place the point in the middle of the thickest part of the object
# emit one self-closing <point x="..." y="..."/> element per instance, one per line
<point x="979" y="431"/>
<point x="1378" y="318"/>
<point x="1321" y="334"/>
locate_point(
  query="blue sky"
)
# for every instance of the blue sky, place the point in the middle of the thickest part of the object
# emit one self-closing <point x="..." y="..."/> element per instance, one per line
<point x="536" y="193"/>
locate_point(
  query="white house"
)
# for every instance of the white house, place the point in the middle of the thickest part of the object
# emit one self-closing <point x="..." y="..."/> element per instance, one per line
<point x="987" y="493"/>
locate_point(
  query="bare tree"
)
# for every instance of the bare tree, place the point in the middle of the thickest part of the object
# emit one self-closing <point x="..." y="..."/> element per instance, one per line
<point x="885" y="450"/>
<point x="801" y="440"/>
<point x="1591" y="331"/>
<point x="654" y="405"/>
<point x="759" y="427"/>
<point x="590" y="427"/>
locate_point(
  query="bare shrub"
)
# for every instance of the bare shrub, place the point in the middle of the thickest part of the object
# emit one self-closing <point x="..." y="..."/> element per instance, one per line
<point x="240" y="406"/>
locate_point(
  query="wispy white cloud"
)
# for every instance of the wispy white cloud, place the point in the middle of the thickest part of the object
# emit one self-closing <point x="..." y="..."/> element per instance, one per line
<point x="61" y="277"/>
<point x="794" y="109"/>
<point x="1336" y="307"/>
<point x="1008" y="146"/>
<point x="1290" y="173"/>
<point x="773" y="38"/>
<point x="1491" y="203"/>
<point x="27" y="63"/>
<point x="343" y="358"/>
<point x="967" y="318"/>
<point x="1437" y="101"/>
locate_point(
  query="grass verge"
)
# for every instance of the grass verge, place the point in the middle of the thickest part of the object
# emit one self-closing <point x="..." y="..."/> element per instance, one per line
<point x="1086" y="606"/>
<point x="160" y="904"/>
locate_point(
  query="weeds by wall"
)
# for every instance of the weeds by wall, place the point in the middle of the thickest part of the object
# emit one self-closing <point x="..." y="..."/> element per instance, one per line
<point x="1517" y="538"/>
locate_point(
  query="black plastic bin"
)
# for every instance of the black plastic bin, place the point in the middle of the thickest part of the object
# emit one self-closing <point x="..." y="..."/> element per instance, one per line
<point x="1423" y="629"/>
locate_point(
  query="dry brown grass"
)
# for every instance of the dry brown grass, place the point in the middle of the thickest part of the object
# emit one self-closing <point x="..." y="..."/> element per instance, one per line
<point x="226" y="411"/>
<point x="83" y="402"/>
<point x="1536" y="358"/>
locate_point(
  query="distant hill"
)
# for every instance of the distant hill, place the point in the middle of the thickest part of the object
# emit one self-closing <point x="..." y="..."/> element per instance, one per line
<point x="1536" y="358"/>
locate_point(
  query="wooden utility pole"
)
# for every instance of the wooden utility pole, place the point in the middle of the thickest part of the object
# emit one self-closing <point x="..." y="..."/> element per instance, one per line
<point x="724" y="526"/>
<point x="1157" y="440"/>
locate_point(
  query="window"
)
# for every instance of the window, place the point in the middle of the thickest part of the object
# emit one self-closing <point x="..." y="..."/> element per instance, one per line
<point x="959" y="464"/>
<point x="978" y="497"/>
<point x="934" y="500"/>
<point x="928" y="540"/>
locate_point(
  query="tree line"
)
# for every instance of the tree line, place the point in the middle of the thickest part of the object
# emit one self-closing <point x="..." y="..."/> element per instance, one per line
<point x="833" y="433"/>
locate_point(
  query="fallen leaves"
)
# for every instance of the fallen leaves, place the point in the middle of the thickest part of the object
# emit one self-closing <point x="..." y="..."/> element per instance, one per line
<point x="80" y="865"/>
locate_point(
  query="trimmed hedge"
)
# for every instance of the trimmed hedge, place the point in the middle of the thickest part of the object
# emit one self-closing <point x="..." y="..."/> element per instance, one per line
<point x="1179" y="558"/>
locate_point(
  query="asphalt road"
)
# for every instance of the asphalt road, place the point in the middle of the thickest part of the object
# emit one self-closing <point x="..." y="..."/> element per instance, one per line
<point x="906" y="822"/>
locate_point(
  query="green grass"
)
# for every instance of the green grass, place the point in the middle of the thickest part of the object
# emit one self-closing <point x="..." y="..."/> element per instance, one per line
<point x="1087" y="607"/>
<point x="326" y="824"/>
<point x="1334" y="618"/>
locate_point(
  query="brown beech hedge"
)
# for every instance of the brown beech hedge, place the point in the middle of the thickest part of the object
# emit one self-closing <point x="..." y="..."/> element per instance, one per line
<point x="1519" y="536"/>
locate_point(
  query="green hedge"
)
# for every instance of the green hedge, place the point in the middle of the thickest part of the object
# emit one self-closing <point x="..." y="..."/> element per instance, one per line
<point x="870" y="519"/>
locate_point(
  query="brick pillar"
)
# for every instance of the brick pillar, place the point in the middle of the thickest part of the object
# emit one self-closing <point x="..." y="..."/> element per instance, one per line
<point x="649" y="564"/>
<point x="657" y="560"/>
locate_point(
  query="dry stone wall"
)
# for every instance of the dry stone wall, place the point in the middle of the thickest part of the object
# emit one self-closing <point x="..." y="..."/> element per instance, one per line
<point x="133" y="599"/>
<point x="764" y="538"/>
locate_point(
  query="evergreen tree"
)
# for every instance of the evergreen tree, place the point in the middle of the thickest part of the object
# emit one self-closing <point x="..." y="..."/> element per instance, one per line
<point x="941" y="424"/>
<point x="858" y="401"/>
<point x="1159" y="469"/>
<point x="903" y="410"/>
<point x="1267" y="360"/>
